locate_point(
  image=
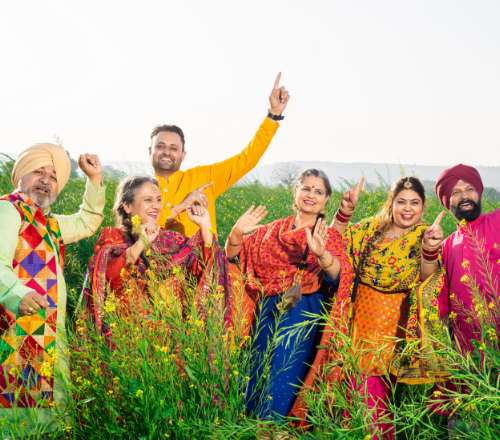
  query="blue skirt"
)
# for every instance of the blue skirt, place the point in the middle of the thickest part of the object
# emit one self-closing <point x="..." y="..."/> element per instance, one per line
<point x="281" y="357"/>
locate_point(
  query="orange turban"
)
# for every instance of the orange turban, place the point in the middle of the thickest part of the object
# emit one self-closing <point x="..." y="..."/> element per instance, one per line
<point x="449" y="178"/>
<point x="41" y="155"/>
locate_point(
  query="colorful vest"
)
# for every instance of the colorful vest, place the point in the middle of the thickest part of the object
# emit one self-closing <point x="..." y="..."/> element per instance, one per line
<point x="28" y="343"/>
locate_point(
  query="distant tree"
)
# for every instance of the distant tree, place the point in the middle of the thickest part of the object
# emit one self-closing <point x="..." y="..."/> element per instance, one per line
<point x="286" y="174"/>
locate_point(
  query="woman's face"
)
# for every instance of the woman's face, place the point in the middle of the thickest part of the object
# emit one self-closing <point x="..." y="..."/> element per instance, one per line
<point x="310" y="195"/>
<point x="146" y="204"/>
<point x="407" y="208"/>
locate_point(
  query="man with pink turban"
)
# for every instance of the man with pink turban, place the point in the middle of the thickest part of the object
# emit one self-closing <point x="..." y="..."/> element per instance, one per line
<point x="470" y="255"/>
<point x="32" y="287"/>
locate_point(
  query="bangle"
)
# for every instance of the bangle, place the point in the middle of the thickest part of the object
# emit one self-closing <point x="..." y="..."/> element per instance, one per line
<point x="342" y="217"/>
<point x="275" y="117"/>
<point x="430" y="255"/>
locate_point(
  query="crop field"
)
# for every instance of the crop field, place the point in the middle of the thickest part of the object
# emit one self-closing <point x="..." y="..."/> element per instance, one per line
<point x="182" y="377"/>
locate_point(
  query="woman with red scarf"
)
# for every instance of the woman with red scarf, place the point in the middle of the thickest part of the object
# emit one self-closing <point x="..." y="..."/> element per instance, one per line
<point x="284" y="264"/>
<point x="124" y="253"/>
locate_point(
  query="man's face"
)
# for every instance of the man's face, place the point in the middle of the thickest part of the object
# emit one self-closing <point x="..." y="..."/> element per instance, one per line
<point x="167" y="152"/>
<point x="40" y="186"/>
<point x="465" y="202"/>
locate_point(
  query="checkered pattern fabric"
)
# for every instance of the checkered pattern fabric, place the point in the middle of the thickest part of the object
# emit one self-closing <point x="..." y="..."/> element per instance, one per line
<point x="28" y="343"/>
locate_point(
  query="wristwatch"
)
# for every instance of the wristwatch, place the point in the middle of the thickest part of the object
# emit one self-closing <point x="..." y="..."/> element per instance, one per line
<point x="275" y="117"/>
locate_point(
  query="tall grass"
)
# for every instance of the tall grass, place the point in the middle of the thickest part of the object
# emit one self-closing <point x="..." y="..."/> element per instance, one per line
<point x="175" y="374"/>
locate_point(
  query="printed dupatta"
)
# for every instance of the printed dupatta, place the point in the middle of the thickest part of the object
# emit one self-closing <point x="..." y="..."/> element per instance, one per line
<point x="28" y="343"/>
<point x="169" y="251"/>
<point x="395" y="267"/>
<point x="271" y="256"/>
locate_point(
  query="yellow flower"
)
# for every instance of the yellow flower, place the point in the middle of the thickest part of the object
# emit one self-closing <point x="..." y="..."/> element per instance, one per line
<point x="164" y="349"/>
<point x="453" y="316"/>
<point x="136" y="221"/>
<point x="465" y="264"/>
<point x="463" y="222"/>
<point x="465" y="279"/>
<point x="198" y="323"/>
<point x="437" y="393"/>
<point x="492" y="334"/>
<point x="236" y="373"/>
<point x="109" y="306"/>
<point x="482" y="346"/>
<point x="457" y="401"/>
<point x="491" y="305"/>
<point x="139" y="393"/>
<point x="46" y="369"/>
<point x="452" y="296"/>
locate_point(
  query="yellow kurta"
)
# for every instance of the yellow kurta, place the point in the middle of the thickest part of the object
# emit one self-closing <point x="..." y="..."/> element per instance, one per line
<point x="223" y="175"/>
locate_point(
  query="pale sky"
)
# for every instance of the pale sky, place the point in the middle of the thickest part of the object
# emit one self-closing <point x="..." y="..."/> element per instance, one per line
<point x="381" y="81"/>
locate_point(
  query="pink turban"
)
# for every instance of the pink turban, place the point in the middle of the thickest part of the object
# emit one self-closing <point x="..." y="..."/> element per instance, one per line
<point x="42" y="155"/>
<point x="449" y="178"/>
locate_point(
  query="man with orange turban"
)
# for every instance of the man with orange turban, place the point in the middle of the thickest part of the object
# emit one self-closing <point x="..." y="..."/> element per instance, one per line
<point x="32" y="287"/>
<point x="470" y="255"/>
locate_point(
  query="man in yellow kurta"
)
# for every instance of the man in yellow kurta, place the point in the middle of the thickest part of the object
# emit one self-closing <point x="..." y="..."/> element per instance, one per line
<point x="203" y="184"/>
<point x="33" y="366"/>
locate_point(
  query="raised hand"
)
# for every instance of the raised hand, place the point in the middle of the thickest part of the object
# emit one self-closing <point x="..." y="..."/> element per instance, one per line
<point x="433" y="236"/>
<point x="351" y="197"/>
<point x="278" y="99"/>
<point x="150" y="231"/>
<point x="196" y="197"/>
<point x="199" y="214"/>
<point x="91" y="167"/>
<point x="250" y="220"/>
<point x="317" y="239"/>
<point x="31" y="303"/>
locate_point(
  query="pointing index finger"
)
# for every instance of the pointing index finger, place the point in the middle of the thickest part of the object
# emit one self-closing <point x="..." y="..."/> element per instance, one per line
<point x="360" y="185"/>
<point x="439" y="218"/>
<point x="205" y="186"/>
<point x="277" y="81"/>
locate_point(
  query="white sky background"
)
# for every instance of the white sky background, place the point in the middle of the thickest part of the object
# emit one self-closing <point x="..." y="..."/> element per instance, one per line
<point x="376" y="80"/>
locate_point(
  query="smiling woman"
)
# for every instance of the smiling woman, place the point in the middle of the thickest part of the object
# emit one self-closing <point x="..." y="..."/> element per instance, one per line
<point x="123" y="254"/>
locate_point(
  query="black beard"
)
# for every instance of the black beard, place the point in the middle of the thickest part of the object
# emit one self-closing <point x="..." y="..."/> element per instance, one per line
<point x="469" y="216"/>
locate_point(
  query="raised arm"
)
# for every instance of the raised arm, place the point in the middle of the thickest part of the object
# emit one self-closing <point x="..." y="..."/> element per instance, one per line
<point x="85" y="222"/>
<point x="226" y="173"/>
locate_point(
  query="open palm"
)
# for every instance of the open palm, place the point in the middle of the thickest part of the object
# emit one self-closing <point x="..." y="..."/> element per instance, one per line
<point x="250" y="220"/>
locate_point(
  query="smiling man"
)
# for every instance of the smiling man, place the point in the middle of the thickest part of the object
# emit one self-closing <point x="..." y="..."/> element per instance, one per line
<point x="470" y="254"/>
<point x="203" y="184"/>
<point x="32" y="287"/>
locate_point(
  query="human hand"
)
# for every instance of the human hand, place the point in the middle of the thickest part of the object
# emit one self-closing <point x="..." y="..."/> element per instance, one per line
<point x="434" y="236"/>
<point x="278" y="99"/>
<point x="31" y="303"/>
<point x="351" y="197"/>
<point x="91" y="167"/>
<point x="199" y="215"/>
<point x="249" y="221"/>
<point x="316" y="240"/>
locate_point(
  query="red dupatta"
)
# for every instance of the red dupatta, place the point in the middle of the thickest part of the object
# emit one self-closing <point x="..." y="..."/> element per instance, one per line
<point x="108" y="267"/>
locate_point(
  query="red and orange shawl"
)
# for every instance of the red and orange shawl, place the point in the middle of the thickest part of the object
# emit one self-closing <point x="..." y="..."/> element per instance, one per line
<point x="269" y="260"/>
<point x="108" y="267"/>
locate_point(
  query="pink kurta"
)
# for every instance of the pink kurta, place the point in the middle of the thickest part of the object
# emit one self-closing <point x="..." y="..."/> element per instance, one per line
<point x="462" y="262"/>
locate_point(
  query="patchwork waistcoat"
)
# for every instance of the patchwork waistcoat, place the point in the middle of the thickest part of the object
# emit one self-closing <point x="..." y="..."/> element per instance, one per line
<point x="28" y="343"/>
